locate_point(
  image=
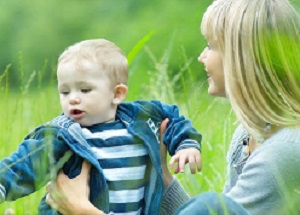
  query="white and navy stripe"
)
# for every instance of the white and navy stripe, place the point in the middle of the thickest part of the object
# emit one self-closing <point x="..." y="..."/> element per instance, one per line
<point x="124" y="162"/>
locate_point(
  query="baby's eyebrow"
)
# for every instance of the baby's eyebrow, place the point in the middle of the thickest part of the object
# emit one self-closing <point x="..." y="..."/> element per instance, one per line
<point x="77" y="83"/>
<point x="83" y="83"/>
<point x="62" y="88"/>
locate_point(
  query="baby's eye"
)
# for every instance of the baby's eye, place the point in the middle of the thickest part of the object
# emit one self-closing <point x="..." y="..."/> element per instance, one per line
<point x="64" y="92"/>
<point x="85" y="90"/>
<point x="208" y="46"/>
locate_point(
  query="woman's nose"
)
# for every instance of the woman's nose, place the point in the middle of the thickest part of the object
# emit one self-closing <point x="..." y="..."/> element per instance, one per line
<point x="202" y="55"/>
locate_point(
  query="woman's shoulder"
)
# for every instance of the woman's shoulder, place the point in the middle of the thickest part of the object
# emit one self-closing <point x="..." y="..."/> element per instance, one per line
<point x="286" y="141"/>
<point x="270" y="174"/>
<point x="280" y="155"/>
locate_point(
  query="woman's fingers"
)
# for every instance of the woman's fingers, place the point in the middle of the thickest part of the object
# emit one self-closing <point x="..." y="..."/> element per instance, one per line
<point x="66" y="195"/>
<point x="86" y="168"/>
<point x="51" y="202"/>
<point x="48" y="187"/>
<point x="168" y="178"/>
<point x="163" y="147"/>
<point x="163" y="127"/>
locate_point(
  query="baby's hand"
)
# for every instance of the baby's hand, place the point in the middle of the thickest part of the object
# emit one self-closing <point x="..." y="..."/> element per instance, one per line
<point x="183" y="156"/>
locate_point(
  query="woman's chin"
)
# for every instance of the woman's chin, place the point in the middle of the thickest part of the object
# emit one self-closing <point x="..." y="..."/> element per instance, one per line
<point x="216" y="92"/>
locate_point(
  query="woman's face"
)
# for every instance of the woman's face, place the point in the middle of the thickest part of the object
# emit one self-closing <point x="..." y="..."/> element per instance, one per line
<point x="212" y="59"/>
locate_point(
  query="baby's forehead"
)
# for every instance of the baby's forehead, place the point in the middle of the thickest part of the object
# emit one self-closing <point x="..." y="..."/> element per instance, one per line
<point x="82" y="70"/>
<point x="82" y="65"/>
<point x="83" y="61"/>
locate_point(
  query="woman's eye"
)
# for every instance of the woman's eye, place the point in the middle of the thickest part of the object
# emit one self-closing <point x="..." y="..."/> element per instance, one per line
<point x="208" y="46"/>
<point x="85" y="90"/>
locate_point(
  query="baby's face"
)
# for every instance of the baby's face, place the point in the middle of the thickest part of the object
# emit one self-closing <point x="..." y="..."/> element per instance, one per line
<point x="85" y="96"/>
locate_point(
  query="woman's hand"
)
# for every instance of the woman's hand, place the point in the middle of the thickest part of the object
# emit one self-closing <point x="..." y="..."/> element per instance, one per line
<point x="71" y="196"/>
<point x="168" y="178"/>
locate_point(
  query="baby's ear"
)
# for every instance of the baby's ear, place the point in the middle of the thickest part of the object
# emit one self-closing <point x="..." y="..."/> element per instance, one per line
<point x="120" y="93"/>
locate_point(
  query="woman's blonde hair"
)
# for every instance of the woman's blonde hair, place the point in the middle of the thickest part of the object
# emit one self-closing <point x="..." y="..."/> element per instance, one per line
<point x="260" y="41"/>
<point x="213" y="22"/>
<point x="106" y="54"/>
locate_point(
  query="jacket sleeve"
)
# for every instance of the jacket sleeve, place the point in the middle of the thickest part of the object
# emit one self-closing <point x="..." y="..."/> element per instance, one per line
<point x="29" y="168"/>
<point x="180" y="133"/>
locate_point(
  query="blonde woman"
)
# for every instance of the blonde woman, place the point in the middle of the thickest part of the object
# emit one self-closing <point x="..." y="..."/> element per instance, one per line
<point x="252" y="58"/>
<point x="253" y="45"/>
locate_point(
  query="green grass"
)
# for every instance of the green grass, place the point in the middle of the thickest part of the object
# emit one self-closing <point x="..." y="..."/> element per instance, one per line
<point x="25" y="108"/>
<point x="20" y="114"/>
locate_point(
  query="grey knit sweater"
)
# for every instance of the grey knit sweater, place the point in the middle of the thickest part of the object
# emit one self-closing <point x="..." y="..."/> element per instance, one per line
<point x="268" y="182"/>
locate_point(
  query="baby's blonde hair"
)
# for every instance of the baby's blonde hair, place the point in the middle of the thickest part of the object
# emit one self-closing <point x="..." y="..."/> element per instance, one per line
<point x="106" y="54"/>
<point x="260" y="41"/>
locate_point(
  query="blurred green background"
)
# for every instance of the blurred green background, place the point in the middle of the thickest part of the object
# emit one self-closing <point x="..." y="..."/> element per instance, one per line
<point x="162" y="40"/>
<point x="37" y="31"/>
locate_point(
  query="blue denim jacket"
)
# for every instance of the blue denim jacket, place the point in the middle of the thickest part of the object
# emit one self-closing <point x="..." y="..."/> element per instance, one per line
<point x="60" y="144"/>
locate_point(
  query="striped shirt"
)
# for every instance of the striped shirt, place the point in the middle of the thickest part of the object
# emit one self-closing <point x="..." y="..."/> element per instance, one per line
<point x="123" y="159"/>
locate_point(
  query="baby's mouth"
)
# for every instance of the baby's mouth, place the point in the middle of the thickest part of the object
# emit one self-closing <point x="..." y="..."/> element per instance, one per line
<point x="76" y="113"/>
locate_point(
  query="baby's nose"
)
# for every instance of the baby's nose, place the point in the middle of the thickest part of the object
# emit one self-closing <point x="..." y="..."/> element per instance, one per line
<point x="74" y="99"/>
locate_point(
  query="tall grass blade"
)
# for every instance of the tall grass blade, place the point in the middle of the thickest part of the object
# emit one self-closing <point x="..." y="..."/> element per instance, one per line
<point x="137" y="48"/>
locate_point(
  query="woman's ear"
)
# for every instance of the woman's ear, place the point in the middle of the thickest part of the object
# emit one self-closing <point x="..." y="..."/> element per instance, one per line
<point x="120" y="93"/>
